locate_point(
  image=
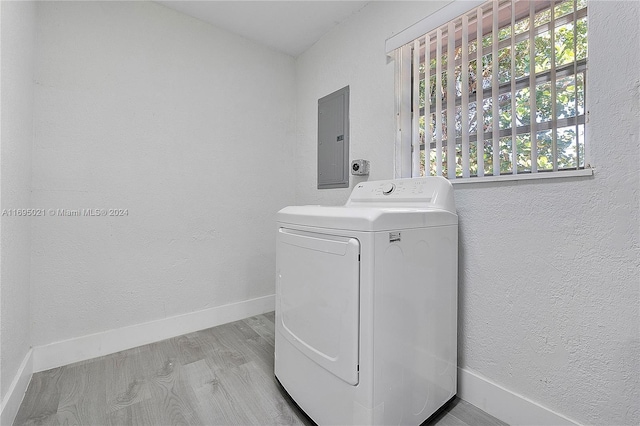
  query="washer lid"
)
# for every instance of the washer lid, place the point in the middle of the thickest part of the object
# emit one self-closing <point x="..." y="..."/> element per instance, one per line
<point x="363" y="218"/>
<point x="383" y="205"/>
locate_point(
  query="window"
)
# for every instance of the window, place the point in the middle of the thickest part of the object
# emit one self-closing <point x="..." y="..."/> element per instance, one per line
<point x="499" y="90"/>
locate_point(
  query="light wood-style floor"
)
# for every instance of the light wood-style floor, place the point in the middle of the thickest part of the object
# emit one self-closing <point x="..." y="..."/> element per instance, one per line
<point x="219" y="376"/>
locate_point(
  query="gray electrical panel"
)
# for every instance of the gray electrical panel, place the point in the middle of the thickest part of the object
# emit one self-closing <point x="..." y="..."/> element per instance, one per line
<point x="333" y="140"/>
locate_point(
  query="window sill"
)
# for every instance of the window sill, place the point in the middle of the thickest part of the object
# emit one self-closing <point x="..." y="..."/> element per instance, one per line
<point x="524" y="176"/>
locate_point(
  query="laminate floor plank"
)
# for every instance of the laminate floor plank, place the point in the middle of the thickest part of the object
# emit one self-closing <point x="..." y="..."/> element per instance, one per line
<point x="172" y="395"/>
<point x="262" y="325"/>
<point x="190" y="348"/>
<point x="241" y="344"/>
<point x="460" y="413"/>
<point x="270" y="316"/>
<point x="218" y="376"/>
<point x="472" y="415"/>
<point x="82" y="389"/>
<point x="260" y="349"/>
<point x="142" y="413"/>
<point x="40" y="403"/>
<point x="221" y="353"/>
<point x="260" y="395"/>
<point x="446" y="419"/>
<point x="214" y="404"/>
<point x="128" y="378"/>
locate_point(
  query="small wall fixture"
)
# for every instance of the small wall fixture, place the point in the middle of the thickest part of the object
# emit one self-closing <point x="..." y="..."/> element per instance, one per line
<point x="360" y="167"/>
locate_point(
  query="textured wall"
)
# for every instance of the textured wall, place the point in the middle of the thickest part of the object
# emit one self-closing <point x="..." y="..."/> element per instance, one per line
<point x="189" y="128"/>
<point x="17" y="37"/>
<point x="548" y="280"/>
<point x="353" y="54"/>
<point x="549" y="270"/>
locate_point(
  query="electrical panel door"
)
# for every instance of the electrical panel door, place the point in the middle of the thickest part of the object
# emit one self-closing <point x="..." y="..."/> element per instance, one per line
<point x="333" y="140"/>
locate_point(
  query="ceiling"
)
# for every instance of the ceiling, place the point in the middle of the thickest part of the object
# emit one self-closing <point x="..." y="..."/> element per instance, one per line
<point x="290" y="27"/>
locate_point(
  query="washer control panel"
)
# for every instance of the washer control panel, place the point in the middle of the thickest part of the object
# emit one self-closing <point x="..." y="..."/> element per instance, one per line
<point x="427" y="191"/>
<point x="398" y="188"/>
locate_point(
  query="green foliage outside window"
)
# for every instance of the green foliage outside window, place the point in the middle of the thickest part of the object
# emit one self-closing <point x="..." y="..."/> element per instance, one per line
<point x="569" y="91"/>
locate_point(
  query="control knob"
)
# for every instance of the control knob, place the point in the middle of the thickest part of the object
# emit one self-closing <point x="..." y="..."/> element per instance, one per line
<point x="388" y="188"/>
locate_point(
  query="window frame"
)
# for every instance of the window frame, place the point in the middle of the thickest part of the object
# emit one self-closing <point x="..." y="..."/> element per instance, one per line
<point x="407" y="164"/>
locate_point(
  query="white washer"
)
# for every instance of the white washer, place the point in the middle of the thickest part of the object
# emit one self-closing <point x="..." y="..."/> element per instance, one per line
<point x="366" y="303"/>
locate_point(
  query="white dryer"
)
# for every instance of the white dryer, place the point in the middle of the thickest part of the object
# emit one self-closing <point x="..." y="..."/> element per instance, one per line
<point x="366" y="304"/>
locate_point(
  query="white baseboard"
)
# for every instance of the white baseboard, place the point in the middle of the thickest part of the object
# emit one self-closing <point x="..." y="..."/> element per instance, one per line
<point x="94" y="345"/>
<point x="15" y="394"/>
<point x="504" y="404"/>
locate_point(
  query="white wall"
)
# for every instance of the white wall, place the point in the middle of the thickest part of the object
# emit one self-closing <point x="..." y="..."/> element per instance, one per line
<point x="353" y="55"/>
<point x="17" y="38"/>
<point x="549" y="271"/>
<point x="188" y="127"/>
<point x="548" y="279"/>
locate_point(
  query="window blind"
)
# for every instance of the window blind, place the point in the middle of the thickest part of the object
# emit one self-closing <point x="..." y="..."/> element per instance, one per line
<point x="500" y="90"/>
